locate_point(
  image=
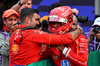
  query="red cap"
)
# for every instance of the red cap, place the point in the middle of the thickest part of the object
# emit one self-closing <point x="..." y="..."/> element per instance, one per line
<point x="9" y="12"/>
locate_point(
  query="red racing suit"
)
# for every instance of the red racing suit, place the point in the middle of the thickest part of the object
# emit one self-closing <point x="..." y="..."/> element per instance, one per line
<point x="77" y="54"/>
<point x="44" y="53"/>
<point x="28" y="51"/>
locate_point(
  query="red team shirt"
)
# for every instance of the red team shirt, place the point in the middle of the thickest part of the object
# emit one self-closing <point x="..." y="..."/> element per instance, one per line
<point x="28" y="51"/>
<point x="77" y="56"/>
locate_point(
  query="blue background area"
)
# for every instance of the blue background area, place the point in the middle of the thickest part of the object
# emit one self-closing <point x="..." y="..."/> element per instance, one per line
<point x="85" y="9"/>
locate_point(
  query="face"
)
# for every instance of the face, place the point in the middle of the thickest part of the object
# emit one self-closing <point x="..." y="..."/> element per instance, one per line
<point x="34" y="20"/>
<point x="26" y="5"/>
<point x="98" y="34"/>
<point x="10" y="21"/>
<point x="56" y="24"/>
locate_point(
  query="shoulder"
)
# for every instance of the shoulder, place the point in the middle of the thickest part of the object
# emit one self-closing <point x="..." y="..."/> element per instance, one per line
<point x="81" y="38"/>
<point x="34" y="31"/>
<point x="14" y="33"/>
<point x="2" y="34"/>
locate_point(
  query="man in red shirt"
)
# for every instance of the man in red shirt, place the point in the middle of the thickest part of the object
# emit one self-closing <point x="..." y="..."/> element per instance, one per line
<point x="75" y="53"/>
<point x="25" y="42"/>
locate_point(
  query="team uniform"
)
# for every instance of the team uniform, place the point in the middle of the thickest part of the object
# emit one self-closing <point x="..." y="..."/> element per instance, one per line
<point x="28" y="51"/>
<point x="77" y="54"/>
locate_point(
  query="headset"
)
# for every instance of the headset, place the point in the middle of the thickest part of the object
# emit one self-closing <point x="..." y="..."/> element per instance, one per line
<point x="18" y="37"/>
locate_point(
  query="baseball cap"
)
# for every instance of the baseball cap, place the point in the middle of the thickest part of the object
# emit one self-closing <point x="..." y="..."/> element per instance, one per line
<point x="9" y="12"/>
<point x="97" y="21"/>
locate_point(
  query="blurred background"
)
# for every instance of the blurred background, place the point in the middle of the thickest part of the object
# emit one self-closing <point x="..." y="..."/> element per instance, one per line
<point x="88" y="8"/>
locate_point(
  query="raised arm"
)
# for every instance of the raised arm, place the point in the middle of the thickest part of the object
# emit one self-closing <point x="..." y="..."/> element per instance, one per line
<point x="18" y="5"/>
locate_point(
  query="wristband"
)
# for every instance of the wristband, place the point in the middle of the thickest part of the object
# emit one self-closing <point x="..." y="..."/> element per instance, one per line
<point x="80" y="28"/>
<point x="64" y="50"/>
<point x="67" y="52"/>
<point x="20" y="3"/>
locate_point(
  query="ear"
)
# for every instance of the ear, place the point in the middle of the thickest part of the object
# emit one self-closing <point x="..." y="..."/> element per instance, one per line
<point x="4" y="21"/>
<point x="27" y="20"/>
<point x="31" y="5"/>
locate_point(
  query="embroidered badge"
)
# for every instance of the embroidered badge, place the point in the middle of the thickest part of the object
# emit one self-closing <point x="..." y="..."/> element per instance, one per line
<point x="65" y="63"/>
<point x="14" y="48"/>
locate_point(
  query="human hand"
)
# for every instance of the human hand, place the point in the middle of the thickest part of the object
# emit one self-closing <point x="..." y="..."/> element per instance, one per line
<point x="22" y="7"/>
<point x="98" y="35"/>
<point x="26" y="4"/>
<point x="60" y="47"/>
<point x="13" y="27"/>
<point x="91" y="35"/>
<point x="23" y="1"/>
<point x="74" y="10"/>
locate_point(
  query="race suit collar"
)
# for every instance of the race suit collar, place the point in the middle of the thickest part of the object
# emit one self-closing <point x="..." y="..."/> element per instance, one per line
<point x="21" y="26"/>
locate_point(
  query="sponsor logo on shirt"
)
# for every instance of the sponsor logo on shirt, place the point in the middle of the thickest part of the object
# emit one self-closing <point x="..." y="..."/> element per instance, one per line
<point x="14" y="48"/>
<point x="65" y="63"/>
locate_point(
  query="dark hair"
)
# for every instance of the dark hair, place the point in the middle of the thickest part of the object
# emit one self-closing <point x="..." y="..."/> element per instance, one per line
<point x="54" y="5"/>
<point x="27" y="12"/>
<point x="1" y="24"/>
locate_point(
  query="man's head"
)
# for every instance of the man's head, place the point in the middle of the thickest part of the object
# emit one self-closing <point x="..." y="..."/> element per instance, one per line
<point x="54" y="5"/>
<point x="10" y="17"/>
<point x="28" y="4"/>
<point x="96" y="25"/>
<point x="29" y="17"/>
<point x="60" y="20"/>
<point x="96" y="22"/>
<point x="57" y="4"/>
<point x="96" y="29"/>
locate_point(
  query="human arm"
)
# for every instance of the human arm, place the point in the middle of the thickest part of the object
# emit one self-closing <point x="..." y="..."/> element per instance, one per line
<point x="40" y="37"/>
<point x="91" y="35"/>
<point x="75" y="11"/>
<point x="4" y="45"/>
<point x="80" y="56"/>
<point x="14" y="26"/>
<point x="16" y="7"/>
<point x="52" y="39"/>
<point x="77" y="32"/>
